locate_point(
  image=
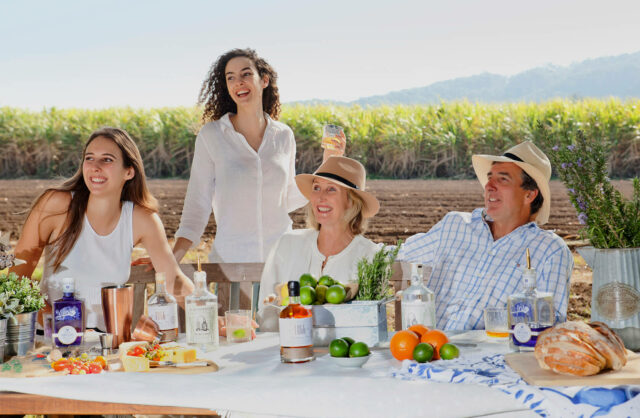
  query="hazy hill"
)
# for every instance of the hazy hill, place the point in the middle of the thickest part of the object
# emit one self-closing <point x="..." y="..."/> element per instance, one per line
<point x="617" y="76"/>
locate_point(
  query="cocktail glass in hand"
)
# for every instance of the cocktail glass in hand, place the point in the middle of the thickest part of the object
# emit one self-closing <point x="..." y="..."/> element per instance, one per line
<point x="332" y="137"/>
<point x="238" y="325"/>
<point x="496" y="322"/>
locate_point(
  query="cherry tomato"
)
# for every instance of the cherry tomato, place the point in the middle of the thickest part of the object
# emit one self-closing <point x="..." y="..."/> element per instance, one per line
<point x="101" y="361"/>
<point x="95" y="368"/>
<point x="60" y="365"/>
<point x="137" y="351"/>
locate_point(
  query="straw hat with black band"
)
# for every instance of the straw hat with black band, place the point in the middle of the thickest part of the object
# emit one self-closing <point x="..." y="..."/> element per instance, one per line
<point x="532" y="161"/>
<point x="344" y="172"/>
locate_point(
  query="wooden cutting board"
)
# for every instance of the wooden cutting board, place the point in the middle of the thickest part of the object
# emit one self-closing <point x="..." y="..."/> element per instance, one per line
<point x="526" y="365"/>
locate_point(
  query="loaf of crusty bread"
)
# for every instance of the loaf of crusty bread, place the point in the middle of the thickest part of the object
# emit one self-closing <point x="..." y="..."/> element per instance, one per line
<point x="580" y="349"/>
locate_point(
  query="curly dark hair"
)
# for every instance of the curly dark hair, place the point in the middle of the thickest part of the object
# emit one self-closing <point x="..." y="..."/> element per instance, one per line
<point x="215" y="96"/>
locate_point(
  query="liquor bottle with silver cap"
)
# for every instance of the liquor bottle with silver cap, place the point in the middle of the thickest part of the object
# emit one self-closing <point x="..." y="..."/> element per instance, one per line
<point x="68" y="317"/>
<point x="418" y="302"/>
<point x="201" y="310"/>
<point x="163" y="309"/>
<point x="530" y="312"/>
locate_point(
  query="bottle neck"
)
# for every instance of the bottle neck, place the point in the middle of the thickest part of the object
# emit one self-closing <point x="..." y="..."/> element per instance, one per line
<point x="294" y="300"/>
<point x="68" y="295"/>
<point x="160" y="287"/>
<point x="200" y="286"/>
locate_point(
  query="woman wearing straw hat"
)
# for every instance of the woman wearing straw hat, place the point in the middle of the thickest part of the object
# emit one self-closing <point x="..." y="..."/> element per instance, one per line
<point x="337" y="214"/>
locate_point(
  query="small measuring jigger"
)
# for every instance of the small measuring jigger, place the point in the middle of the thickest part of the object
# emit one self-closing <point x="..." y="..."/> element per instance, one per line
<point x="106" y="340"/>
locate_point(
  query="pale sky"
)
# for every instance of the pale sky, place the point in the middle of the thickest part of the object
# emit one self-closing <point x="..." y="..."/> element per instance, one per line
<point x="155" y="53"/>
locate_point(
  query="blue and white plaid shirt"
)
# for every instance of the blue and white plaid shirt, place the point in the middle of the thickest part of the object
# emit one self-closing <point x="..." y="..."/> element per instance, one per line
<point x="472" y="271"/>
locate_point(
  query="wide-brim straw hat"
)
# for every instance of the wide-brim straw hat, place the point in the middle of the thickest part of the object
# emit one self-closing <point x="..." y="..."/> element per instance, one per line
<point x="532" y="161"/>
<point x="344" y="172"/>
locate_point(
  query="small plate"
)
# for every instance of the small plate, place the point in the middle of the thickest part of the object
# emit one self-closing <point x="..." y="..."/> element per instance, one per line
<point x="350" y="361"/>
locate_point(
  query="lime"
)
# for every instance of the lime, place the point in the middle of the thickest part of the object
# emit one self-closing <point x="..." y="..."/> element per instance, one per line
<point x="336" y="294"/>
<point x="321" y="293"/>
<point x="308" y="280"/>
<point x="326" y="281"/>
<point x="423" y="352"/>
<point x="449" y="352"/>
<point x="307" y="295"/>
<point x="338" y="283"/>
<point x="339" y="348"/>
<point x="239" y="333"/>
<point x="349" y="340"/>
<point x="358" y="349"/>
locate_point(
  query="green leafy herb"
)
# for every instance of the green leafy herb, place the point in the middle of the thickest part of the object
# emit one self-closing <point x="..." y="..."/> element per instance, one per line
<point x="19" y="295"/>
<point x="374" y="275"/>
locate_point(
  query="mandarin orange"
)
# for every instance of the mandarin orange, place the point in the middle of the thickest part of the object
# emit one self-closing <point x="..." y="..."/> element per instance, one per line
<point x="437" y="339"/>
<point x="403" y="343"/>
<point x="419" y="329"/>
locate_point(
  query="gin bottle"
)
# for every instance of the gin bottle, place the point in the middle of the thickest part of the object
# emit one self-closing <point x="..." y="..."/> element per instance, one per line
<point x="530" y="312"/>
<point x="68" y="317"/>
<point x="202" y="314"/>
<point x="163" y="309"/>
<point x="418" y="302"/>
<point x="296" y="329"/>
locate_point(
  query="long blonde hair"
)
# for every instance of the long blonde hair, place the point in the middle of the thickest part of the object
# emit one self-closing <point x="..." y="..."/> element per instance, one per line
<point x="134" y="190"/>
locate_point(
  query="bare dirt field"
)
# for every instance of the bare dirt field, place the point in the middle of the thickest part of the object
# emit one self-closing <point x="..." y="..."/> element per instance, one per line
<point x="407" y="207"/>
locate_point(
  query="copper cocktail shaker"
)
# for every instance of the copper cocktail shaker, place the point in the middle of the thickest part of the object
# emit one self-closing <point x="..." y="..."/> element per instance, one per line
<point x="117" y="307"/>
<point x="146" y="330"/>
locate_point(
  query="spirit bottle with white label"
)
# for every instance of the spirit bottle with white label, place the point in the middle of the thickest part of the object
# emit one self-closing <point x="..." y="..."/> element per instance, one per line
<point x="296" y="329"/>
<point x="418" y="302"/>
<point x="68" y="317"/>
<point x="163" y="309"/>
<point x="202" y="314"/>
<point x="530" y="312"/>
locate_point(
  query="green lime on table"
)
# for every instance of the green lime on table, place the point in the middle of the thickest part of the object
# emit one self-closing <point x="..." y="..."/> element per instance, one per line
<point x="449" y="352"/>
<point x="336" y="294"/>
<point x="326" y="281"/>
<point x="308" y="280"/>
<point x="349" y="340"/>
<point x="321" y="293"/>
<point x="307" y="295"/>
<point x="339" y="348"/>
<point x="423" y="352"/>
<point x="358" y="349"/>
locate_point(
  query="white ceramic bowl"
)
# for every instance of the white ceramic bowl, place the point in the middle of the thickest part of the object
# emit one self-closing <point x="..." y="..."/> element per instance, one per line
<point x="350" y="361"/>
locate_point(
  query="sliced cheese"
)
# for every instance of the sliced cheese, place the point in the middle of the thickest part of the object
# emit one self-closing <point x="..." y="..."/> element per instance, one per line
<point x="184" y="355"/>
<point x="135" y="364"/>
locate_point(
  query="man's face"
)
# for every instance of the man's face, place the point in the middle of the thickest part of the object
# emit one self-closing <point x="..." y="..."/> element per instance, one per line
<point x="504" y="198"/>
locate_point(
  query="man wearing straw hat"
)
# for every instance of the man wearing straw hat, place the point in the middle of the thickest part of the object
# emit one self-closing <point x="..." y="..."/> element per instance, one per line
<point x="477" y="258"/>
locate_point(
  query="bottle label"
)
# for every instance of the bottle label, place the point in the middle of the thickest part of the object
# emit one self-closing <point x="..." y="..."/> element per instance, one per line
<point x="522" y="332"/>
<point x="296" y="332"/>
<point x="67" y="313"/>
<point x="202" y="324"/>
<point x="418" y="313"/>
<point x="67" y="335"/>
<point x="166" y="316"/>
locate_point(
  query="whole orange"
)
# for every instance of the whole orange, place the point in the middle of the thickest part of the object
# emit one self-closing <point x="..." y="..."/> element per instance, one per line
<point x="419" y="329"/>
<point x="403" y="343"/>
<point x="437" y="339"/>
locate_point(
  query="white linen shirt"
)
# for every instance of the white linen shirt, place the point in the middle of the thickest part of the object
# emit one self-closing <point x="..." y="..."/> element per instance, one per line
<point x="297" y="253"/>
<point x="251" y="193"/>
<point x="471" y="270"/>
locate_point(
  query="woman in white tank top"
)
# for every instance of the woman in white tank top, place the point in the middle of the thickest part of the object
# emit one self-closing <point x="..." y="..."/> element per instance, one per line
<point x="88" y="226"/>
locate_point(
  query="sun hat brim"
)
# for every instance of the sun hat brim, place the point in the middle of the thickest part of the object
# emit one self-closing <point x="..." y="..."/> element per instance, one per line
<point x="371" y="204"/>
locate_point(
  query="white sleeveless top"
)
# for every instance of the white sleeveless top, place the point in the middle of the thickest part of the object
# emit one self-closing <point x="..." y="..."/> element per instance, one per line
<point x="94" y="261"/>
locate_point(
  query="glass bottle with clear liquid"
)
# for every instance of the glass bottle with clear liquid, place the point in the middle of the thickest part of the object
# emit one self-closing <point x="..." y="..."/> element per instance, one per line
<point x="201" y="312"/>
<point x="163" y="309"/>
<point x="418" y="301"/>
<point x="530" y="312"/>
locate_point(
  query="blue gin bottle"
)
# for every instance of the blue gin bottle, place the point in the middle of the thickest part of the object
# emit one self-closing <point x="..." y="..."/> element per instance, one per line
<point x="68" y="317"/>
<point x="530" y="312"/>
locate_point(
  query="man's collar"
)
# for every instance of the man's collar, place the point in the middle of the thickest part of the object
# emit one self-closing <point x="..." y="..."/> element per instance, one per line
<point x="482" y="214"/>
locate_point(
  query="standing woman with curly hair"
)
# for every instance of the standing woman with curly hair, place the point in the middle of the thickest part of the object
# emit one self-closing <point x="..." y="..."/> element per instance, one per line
<point x="243" y="165"/>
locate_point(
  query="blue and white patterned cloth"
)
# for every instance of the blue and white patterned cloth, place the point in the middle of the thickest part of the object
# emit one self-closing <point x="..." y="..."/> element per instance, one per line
<point x="589" y="401"/>
<point x="472" y="271"/>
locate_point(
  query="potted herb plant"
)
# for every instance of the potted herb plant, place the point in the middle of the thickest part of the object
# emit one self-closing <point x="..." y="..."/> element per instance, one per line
<point x="20" y="301"/>
<point x="611" y="225"/>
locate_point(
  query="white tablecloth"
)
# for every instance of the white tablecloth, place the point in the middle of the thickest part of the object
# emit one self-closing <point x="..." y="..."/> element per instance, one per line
<point x="252" y="379"/>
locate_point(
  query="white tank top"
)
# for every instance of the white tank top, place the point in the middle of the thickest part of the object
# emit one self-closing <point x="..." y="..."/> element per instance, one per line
<point x="95" y="261"/>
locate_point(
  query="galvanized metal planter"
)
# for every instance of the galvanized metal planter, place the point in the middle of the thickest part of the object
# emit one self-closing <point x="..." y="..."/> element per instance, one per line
<point x="364" y="321"/>
<point x="3" y="336"/>
<point x="615" y="295"/>
<point x="21" y="333"/>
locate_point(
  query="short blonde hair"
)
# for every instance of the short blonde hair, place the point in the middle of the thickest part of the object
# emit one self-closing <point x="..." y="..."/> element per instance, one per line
<point x="356" y="223"/>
